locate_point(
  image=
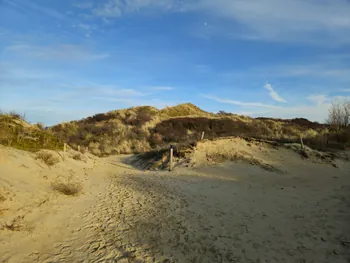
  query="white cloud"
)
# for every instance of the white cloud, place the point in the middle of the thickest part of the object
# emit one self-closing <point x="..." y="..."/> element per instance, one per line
<point x="317" y="113"/>
<point x="161" y="88"/>
<point x="319" y="70"/>
<point x="318" y="99"/>
<point x="119" y="92"/>
<point x="325" y="21"/>
<point x="134" y="102"/>
<point x="84" y="4"/>
<point x="115" y="8"/>
<point x="239" y="103"/>
<point x="315" y="110"/>
<point x="280" y="20"/>
<point x="323" y="70"/>
<point x="64" y="52"/>
<point x="273" y="94"/>
<point x="37" y="8"/>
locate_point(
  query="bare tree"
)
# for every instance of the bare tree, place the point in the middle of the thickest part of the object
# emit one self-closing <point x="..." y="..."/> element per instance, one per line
<point x="346" y="109"/>
<point x="339" y="113"/>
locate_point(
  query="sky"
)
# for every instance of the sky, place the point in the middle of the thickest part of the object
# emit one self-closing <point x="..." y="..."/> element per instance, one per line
<point x="69" y="59"/>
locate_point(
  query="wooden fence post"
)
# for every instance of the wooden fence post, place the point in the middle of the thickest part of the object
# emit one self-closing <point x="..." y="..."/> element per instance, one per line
<point x="64" y="147"/>
<point x="171" y="158"/>
<point x="202" y="137"/>
<point x="78" y="148"/>
<point x="301" y="142"/>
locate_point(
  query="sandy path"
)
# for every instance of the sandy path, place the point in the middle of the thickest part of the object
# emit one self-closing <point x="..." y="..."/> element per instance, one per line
<point x="230" y="213"/>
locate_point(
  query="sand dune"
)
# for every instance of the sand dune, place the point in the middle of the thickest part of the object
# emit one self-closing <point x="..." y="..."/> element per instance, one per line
<point x="215" y="211"/>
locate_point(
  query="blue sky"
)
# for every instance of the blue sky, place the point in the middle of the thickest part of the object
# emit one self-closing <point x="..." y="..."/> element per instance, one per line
<point x="64" y="60"/>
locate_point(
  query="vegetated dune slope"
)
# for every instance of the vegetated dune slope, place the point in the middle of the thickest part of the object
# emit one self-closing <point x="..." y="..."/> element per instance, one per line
<point x="266" y="204"/>
<point x="141" y="129"/>
<point x="268" y="155"/>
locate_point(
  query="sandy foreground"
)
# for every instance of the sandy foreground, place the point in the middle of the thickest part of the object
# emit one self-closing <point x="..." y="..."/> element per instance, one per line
<point x="230" y="212"/>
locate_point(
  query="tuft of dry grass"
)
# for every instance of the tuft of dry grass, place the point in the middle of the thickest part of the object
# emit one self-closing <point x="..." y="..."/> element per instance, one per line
<point x="47" y="157"/>
<point x="2" y="198"/>
<point x="78" y="157"/>
<point x="68" y="188"/>
<point x="16" y="225"/>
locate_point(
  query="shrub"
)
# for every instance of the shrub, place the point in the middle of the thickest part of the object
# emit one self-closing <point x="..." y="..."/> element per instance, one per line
<point x="40" y="125"/>
<point x="95" y="148"/>
<point x="47" y="157"/>
<point x="68" y="188"/>
<point x="78" y="156"/>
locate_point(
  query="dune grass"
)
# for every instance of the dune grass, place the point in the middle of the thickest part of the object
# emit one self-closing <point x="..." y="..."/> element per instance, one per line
<point x="17" y="133"/>
<point x="67" y="188"/>
<point x="47" y="157"/>
<point x="143" y="129"/>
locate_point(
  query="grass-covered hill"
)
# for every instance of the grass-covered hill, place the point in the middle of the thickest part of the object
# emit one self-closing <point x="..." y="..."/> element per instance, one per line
<point x="16" y="132"/>
<point x="141" y="129"/>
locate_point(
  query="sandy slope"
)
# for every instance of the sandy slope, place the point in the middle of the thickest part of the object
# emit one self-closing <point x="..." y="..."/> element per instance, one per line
<point x="232" y="212"/>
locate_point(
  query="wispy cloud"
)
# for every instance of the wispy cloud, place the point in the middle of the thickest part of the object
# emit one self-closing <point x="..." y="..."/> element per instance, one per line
<point x="134" y="102"/>
<point x="29" y="6"/>
<point x="281" y="20"/>
<point x="87" y="29"/>
<point x="315" y="108"/>
<point x="273" y="94"/>
<point x="83" y="4"/>
<point x="115" y="8"/>
<point x="119" y="92"/>
<point x="64" y="52"/>
<point x="319" y="70"/>
<point x="239" y="103"/>
<point x="161" y="88"/>
<point x="319" y="99"/>
<point x="271" y="20"/>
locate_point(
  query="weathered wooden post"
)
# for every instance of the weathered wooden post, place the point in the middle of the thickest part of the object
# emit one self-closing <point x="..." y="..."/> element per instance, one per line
<point x="202" y="137"/>
<point x="78" y="148"/>
<point x="301" y="142"/>
<point x="64" y="147"/>
<point x="171" y="158"/>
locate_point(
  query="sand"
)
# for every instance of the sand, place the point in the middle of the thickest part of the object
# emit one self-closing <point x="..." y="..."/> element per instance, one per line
<point x="226" y="212"/>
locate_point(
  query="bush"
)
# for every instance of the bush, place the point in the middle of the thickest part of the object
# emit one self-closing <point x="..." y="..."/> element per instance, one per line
<point x="78" y="156"/>
<point x="95" y="148"/>
<point x="47" y="157"/>
<point x="67" y="188"/>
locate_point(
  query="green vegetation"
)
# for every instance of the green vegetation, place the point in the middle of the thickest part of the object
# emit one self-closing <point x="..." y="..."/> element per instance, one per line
<point x="143" y="129"/>
<point x="17" y="133"/>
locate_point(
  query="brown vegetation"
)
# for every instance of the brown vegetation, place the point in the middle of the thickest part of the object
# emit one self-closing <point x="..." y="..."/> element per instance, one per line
<point x="68" y="188"/>
<point x="339" y="114"/>
<point x="78" y="156"/>
<point x="142" y="129"/>
<point x="47" y="157"/>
